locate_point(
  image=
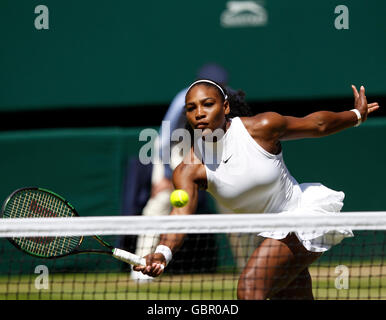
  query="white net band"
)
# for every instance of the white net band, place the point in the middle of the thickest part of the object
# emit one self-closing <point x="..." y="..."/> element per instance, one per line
<point x="191" y="224"/>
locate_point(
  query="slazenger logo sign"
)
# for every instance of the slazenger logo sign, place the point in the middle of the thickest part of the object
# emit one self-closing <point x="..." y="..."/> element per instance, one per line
<point x="243" y="14"/>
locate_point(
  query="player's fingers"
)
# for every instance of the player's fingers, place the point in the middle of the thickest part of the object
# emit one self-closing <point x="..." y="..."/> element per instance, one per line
<point x="160" y="271"/>
<point x="373" y="104"/>
<point x="153" y="270"/>
<point x="355" y="91"/>
<point x="157" y="269"/>
<point x="369" y="110"/>
<point x="362" y="97"/>
<point x="138" y="268"/>
<point x="361" y="92"/>
<point x="147" y="270"/>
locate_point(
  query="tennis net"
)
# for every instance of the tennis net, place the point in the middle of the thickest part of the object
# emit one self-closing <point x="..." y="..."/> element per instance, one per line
<point x="209" y="264"/>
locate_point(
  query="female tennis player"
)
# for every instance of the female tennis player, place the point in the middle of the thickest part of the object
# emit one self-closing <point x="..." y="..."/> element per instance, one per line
<point x="250" y="177"/>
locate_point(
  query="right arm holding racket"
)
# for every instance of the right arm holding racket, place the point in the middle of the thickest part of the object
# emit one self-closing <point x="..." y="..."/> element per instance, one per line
<point x="189" y="176"/>
<point x="35" y="202"/>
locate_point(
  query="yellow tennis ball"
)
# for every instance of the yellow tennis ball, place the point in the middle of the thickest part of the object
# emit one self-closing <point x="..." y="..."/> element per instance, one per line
<point x="179" y="198"/>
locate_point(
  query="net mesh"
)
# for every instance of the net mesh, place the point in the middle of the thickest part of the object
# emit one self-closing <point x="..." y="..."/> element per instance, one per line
<point x="209" y="265"/>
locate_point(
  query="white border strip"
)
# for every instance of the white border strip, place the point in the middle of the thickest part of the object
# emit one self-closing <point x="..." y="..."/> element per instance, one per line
<point x="208" y="223"/>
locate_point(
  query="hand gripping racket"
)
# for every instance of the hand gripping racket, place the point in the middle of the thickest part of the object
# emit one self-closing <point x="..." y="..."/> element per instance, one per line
<point x="38" y="203"/>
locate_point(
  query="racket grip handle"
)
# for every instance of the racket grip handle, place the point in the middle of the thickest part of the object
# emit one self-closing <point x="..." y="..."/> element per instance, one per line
<point x="128" y="257"/>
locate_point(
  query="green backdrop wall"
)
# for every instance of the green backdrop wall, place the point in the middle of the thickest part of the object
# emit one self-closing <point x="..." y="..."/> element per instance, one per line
<point x="83" y="165"/>
<point x="98" y="53"/>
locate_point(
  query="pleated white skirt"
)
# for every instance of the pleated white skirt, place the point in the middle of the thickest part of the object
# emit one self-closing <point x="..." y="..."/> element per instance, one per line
<point x="315" y="199"/>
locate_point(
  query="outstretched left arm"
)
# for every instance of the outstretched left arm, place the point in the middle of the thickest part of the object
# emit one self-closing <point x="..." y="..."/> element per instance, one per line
<point x="317" y="124"/>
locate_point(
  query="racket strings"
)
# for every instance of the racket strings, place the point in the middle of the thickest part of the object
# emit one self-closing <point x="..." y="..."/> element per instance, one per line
<point x="36" y="203"/>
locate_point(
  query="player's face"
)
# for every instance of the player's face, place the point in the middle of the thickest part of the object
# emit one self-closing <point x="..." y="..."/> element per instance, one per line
<point x="205" y="109"/>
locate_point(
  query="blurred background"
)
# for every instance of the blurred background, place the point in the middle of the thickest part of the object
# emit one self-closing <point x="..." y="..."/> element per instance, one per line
<point x="74" y="97"/>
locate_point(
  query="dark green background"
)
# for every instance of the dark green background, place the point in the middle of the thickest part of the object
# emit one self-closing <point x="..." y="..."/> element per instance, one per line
<point x="120" y="52"/>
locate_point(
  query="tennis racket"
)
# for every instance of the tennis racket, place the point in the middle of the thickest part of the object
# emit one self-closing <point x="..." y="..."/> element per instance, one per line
<point x="39" y="203"/>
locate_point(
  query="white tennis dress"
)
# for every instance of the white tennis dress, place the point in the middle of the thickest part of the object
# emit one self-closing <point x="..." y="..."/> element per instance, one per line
<point x="245" y="178"/>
